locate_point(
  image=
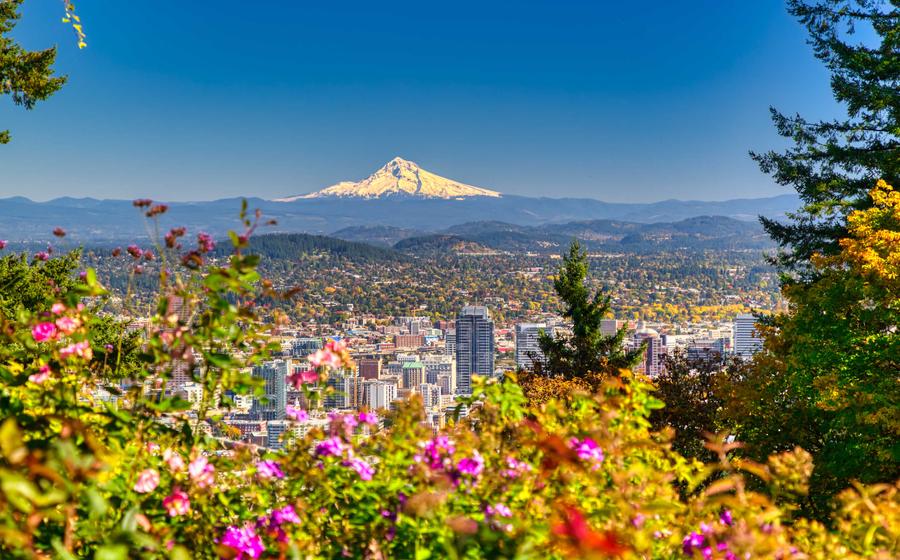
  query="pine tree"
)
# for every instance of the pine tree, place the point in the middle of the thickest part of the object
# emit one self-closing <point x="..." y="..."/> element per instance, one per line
<point x="587" y="350"/>
<point x="833" y="164"/>
<point x="25" y="75"/>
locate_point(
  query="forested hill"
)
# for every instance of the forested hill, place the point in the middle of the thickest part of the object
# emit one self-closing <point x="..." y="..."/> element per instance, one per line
<point x="292" y="245"/>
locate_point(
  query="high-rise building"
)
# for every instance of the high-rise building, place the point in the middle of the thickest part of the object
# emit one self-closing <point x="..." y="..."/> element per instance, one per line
<point x="271" y="406"/>
<point x="347" y="389"/>
<point x="450" y="342"/>
<point x="379" y="394"/>
<point x="304" y="346"/>
<point x="707" y="349"/>
<point x="527" y="348"/>
<point x="653" y="360"/>
<point x="413" y="374"/>
<point x="369" y="368"/>
<point x="746" y="339"/>
<point x="438" y="365"/>
<point x="474" y="346"/>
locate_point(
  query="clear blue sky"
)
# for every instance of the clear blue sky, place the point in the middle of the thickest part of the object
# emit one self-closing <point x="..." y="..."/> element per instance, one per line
<point x="192" y="100"/>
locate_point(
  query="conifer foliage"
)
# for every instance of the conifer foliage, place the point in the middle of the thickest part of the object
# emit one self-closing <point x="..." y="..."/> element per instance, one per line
<point x="586" y="350"/>
<point x="833" y="164"/>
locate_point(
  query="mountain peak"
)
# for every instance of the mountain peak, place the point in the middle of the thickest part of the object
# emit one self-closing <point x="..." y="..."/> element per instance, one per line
<point x="399" y="178"/>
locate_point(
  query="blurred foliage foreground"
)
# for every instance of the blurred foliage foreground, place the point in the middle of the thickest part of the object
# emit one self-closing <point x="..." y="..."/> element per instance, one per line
<point x="96" y="461"/>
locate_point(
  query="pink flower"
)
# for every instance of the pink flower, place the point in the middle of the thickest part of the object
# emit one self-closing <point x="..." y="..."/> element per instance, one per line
<point x="472" y="466"/>
<point x="201" y="472"/>
<point x="152" y="448"/>
<point x="3" y="243"/>
<point x="42" y="256"/>
<point x="42" y="375"/>
<point x="58" y="308"/>
<point x="285" y="515"/>
<point x="244" y="541"/>
<point x="299" y="378"/>
<point x="147" y="481"/>
<point x="177" y="503"/>
<point x="269" y="469"/>
<point x="297" y="414"/>
<point x="436" y="452"/>
<point x="174" y="460"/>
<point x="362" y="468"/>
<point x="79" y="349"/>
<point x="368" y="418"/>
<point x="134" y="251"/>
<point x="515" y="467"/>
<point x="332" y="446"/>
<point x="325" y="357"/>
<point x="587" y="450"/>
<point x="205" y="242"/>
<point x="43" y="332"/>
<point x="498" y="509"/>
<point x="67" y="325"/>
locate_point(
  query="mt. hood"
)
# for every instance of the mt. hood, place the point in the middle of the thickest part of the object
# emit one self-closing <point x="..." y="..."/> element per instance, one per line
<point x="399" y="178"/>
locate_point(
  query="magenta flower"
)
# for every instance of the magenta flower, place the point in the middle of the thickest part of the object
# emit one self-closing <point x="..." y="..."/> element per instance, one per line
<point x="42" y="256"/>
<point x="436" y="452"/>
<point x="205" y="242"/>
<point x="201" y="472"/>
<point x="269" y="469"/>
<point x="692" y="542"/>
<point x="3" y="243"/>
<point x="43" y="332"/>
<point x="177" y="503"/>
<point x="284" y="515"/>
<point x="362" y="468"/>
<point x="299" y="378"/>
<point x="244" y="541"/>
<point x="43" y="374"/>
<point x="726" y="518"/>
<point x="331" y="447"/>
<point x="147" y="481"/>
<point x="472" y="466"/>
<point x="368" y="418"/>
<point x="587" y="450"/>
<point x="297" y="414"/>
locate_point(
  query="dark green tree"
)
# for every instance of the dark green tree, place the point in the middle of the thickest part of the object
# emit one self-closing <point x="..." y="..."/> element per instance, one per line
<point x="587" y="350"/>
<point x="833" y="164"/>
<point x="25" y="75"/>
<point x="692" y="388"/>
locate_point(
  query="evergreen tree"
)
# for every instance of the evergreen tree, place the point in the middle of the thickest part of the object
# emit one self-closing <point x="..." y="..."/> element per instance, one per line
<point x="25" y="75"/>
<point x="586" y="350"/>
<point x="833" y="164"/>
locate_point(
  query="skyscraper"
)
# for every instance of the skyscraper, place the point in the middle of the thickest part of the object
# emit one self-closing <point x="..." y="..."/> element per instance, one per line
<point x="272" y="405"/>
<point x="746" y="340"/>
<point x="474" y="346"/>
<point x="527" y="348"/>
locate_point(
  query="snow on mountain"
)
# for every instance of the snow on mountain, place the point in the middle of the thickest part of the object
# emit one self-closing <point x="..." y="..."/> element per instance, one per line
<point x="399" y="178"/>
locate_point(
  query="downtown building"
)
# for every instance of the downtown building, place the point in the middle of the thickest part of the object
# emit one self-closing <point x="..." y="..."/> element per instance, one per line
<point x="474" y="346"/>
<point x="528" y="349"/>
<point x="746" y="339"/>
<point x="271" y="406"/>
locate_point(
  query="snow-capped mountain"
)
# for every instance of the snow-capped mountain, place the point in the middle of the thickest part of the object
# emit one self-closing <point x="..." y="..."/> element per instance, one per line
<point x="399" y="178"/>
